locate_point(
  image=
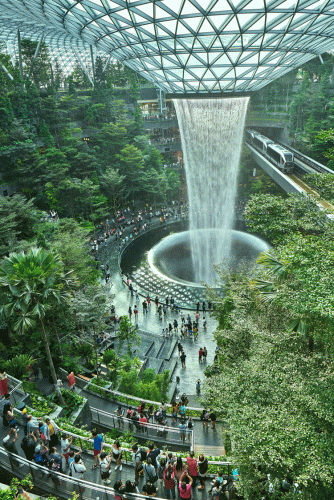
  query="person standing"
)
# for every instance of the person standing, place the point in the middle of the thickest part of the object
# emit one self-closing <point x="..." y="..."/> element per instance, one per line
<point x="10" y="446"/>
<point x="130" y="312"/>
<point x="65" y="445"/>
<point x="150" y="472"/>
<point x="184" y="488"/>
<point x="213" y="419"/>
<point x="105" y="467"/>
<point x="183" y="359"/>
<point x="200" y="355"/>
<point x="71" y="381"/>
<point x="198" y="387"/>
<point x="137" y="460"/>
<point x="183" y="429"/>
<point x="78" y="469"/>
<point x="98" y="447"/>
<point x="169" y="483"/>
<point x="28" y="445"/>
<point x="192" y="467"/>
<point x="203" y="307"/>
<point x="135" y="310"/>
<point x="202" y="471"/>
<point x="117" y="454"/>
<point x="3" y="382"/>
<point x="205" y="353"/>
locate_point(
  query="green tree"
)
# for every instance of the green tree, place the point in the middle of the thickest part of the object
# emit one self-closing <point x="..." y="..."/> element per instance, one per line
<point x="31" y="284"/>
<point x="127" y="334"/>
<point x="111" y="183"/>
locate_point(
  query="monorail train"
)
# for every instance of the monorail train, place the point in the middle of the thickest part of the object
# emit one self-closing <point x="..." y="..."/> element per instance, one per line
<point x="281" y="157"/>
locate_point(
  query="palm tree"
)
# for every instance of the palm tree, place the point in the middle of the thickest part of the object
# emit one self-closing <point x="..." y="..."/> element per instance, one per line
<point x="32" y="284"/>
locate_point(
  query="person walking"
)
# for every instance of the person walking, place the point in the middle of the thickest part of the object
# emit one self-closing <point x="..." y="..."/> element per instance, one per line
<point x="190" y="428"/>
<point x="198" y="387"/>
<point x="130" y="312"/>
<point x="98" y="447"/>
<point x="205" y="353"/>
<point x="183" y="359"/>
<point x="135" y="310"/>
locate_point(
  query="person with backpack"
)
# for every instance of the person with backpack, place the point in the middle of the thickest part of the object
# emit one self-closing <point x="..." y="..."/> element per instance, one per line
<point x="138" y="456"/>
<point x="169" y="483"/>
<point x="150" y="472"/>
<point x="153" y="453"/>
<point x="216" y="491"/>
<point x="40" y="456"/>
<point x="149" y="490"/>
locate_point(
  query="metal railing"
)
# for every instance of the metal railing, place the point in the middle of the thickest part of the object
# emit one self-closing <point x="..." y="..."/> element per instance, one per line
<point x="55" y="482"/>
<point x="128" y="400"/>
<point x="152" y="431"/>
<point x="61" y="484"/>
<point x="15" y="388"/>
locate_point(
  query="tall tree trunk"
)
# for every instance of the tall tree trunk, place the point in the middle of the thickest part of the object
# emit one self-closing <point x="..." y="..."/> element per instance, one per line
<point x="48" y="355"/>
<point x="57" y="336"/>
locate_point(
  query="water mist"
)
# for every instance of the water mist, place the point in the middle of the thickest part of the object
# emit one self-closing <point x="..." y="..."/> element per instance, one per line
<point x="211" y="134"/>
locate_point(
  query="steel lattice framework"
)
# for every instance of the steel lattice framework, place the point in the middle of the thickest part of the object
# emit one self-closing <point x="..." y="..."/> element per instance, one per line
<point x="182" y="46"/>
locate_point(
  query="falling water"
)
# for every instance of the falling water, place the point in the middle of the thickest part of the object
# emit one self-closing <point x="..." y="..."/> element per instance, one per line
<point x="211" y="134"/>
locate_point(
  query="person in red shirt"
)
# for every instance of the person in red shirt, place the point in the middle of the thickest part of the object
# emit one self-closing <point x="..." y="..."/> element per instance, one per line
<point x="192" y="466"/>
<point x="200" y="354"/>
<point x="169" y="482"/>
<point x="184" y="488"/>
<point x="143" y="422"/>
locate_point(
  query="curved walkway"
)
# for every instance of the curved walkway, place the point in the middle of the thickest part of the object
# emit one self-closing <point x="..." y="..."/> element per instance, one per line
<point x="150" y="329"/>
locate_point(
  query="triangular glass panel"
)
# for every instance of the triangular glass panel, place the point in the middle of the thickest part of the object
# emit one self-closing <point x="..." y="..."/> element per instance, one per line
<point x="254" y="5"/>
<point x="147" y="8"/>
<point x="189" y="8"/>
<point x="169" y="25"/>
<point x="181" y="29"/>
<point x="232" y="26"/>
<point x="244" y="19"/>
<point x="218" y="20"/>
<point x="205" y="27"/>
<point x="234" y="56"/>
<point x="258" y="25"/>
<point x="221" y="6"/>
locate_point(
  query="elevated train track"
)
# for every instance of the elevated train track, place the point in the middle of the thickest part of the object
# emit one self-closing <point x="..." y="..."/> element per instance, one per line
<point x="293" y="182"/>
<point x="304" y="164"/>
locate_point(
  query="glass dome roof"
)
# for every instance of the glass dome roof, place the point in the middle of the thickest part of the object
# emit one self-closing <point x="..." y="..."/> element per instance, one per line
<point x="182" y="46"/>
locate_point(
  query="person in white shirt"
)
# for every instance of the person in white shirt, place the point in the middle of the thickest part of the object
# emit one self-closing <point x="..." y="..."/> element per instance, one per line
<point x="105" y="466"/>
<point x="77" y="468"/>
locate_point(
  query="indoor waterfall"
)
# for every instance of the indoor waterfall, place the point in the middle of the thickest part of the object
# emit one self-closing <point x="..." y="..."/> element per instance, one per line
<point x="211" y="134"/>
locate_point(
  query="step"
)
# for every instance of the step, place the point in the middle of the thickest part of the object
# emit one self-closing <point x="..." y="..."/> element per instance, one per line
<point x="213" y="451"/>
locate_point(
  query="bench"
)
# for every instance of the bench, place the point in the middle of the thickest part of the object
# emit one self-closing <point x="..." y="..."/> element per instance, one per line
<point x="82" y="377"/>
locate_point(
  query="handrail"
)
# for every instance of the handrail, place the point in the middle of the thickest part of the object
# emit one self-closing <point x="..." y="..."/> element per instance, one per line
<point x="151" y="424"/>
<point x="108" y="445"/>
<point x="81" y="483"/>
<point x="140" y="400"/>
<point x="153" y="431"/>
